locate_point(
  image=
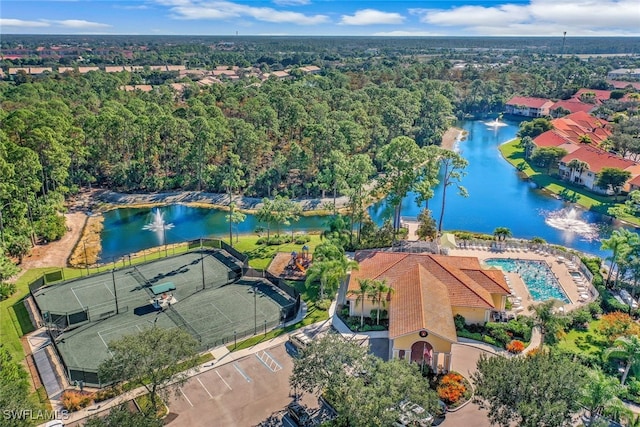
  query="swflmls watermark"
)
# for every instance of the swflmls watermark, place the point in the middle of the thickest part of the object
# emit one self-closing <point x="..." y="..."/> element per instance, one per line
<point x="33" y="414"/>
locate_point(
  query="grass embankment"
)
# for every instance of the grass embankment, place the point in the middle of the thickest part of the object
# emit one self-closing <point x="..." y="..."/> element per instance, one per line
<point x="579" y="195"/>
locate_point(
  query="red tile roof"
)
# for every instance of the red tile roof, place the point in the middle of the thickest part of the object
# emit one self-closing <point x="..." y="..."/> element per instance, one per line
<point x="598" y="159"/>
<point x="600" y="95"/>
<point x="464" y="290"/>
<point x="549" y="138"/>
<point x="635" y="181"/>
<point x="573" y="106"/>
<point x="420" y="304"/>
<point x="528" y="102"/>
<point x="620" y="84"/>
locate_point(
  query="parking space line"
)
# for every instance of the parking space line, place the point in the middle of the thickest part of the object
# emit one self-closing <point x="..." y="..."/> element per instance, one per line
<point x="225" y="383"/>
<point x="185" y="396"/>
<point x="205" y="389"/>
<point x="239" y="369"/>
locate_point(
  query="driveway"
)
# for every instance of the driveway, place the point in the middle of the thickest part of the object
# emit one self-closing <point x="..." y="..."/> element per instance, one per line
<point x="463" y="360"/>
<point x="246" y="392"/>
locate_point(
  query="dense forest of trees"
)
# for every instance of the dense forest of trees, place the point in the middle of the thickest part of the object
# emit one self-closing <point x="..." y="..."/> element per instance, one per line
<point x="305" y="137"/>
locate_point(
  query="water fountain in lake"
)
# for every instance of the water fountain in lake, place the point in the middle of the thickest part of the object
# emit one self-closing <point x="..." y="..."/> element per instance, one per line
<point x="569" y="220"/>
<point x="495" y="124"/>
<point x="158" y="223"/>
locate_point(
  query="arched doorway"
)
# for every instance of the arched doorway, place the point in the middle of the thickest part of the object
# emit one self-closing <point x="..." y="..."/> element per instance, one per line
<point x="421" y="351"/>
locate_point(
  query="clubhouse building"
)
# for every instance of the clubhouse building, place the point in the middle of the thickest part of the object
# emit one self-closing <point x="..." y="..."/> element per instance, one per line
<point x="428" y="291"/>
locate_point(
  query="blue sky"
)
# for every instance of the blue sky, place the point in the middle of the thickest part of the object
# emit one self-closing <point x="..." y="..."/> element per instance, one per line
<point x="323" y="17"/>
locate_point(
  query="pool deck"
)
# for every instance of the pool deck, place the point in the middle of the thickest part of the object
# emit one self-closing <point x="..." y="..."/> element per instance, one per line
<point x="560" y="269"/>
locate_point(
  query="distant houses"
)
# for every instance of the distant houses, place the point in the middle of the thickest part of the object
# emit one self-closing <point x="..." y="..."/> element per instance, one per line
<point x="528" y="107"/>
<point x="624" y="73"/>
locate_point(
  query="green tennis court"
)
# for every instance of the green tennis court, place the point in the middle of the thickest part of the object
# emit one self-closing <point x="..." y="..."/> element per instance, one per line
<point x="209" y="300"/>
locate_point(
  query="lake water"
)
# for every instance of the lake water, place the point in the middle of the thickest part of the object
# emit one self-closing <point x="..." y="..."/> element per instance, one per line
<point x="498" y="197"/>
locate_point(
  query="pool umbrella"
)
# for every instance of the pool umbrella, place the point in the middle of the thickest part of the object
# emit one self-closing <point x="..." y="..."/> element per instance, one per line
<point x="448" y="240"/>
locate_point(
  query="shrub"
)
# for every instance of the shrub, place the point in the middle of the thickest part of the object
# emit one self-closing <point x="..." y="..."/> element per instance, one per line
<point x="302" y="239"/>
<point x="501" y="336"/>
<point x="617" y="324"/>
<point x="459" y="321"/>
<point x="515" y="347"/>
<point x="610" y="304"/>
<point x="374" y="314"/>
<point x="594" y="309"/>
<point x="580" y="318"/>
<point x="323" y="304"/>
<point x="451" y="388"/>
<point x="75" y="400"/>
<point x="594" y="264"/>
<point x="106" y="393"/>
<point x="274" y="240"/>
<point x="6" y="290"/>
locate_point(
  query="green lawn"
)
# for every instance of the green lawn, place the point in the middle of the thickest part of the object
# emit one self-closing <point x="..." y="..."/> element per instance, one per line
<point x="514" y="154"/>
<point x="260" y="255"/>
<point x="589" y="341"/>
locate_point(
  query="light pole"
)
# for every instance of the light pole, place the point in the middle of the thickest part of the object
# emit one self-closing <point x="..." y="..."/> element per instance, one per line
<point x="115" y="293"/>
<point x="164" y="238"/>
<point x="255" y="310"/>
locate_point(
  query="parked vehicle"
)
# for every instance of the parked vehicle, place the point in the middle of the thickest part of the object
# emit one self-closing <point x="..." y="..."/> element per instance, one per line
<point x="300" y="340"/>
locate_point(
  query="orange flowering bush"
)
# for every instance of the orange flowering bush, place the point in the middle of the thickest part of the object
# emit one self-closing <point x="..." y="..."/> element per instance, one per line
<point x="74" y="400"/>
<point x="451" y="388"/>
<point x="616" y="324"/>
<point x="515" y="347"/>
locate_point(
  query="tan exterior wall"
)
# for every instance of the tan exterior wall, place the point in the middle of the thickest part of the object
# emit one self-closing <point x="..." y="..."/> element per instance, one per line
<point x="405" y="342"/>
<point x="472" y="315"/>
<point x="356" y="311"/>
<point x="498" y="301"/>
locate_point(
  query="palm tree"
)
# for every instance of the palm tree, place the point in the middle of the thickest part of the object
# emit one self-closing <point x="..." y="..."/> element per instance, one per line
<point x="599" y="394"/>
<point x="626" y="348"/>
<point x="325" y="272"/>
<point x="546" y="320"/>
<point x="365" y="287"/>
<point x="618" y="243"/>
<point x="330" y="273"/>
<point x="379" y="293"/>
<point x="501" y="233"/>
<point x="579" y="166"/>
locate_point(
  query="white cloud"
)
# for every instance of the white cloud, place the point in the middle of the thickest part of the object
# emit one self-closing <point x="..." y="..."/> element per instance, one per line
<point x="540" y="18"/>
<point x="81" y="24"/>
<point x="6" y="22"/>
<point x="218" y="10"/>
<point x="292" y="2"/>
<point x="407" y="33"/>
<point x="372" y="17"/>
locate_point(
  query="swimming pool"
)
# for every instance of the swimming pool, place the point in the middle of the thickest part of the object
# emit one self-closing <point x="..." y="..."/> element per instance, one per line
<point x="536" y="275"/>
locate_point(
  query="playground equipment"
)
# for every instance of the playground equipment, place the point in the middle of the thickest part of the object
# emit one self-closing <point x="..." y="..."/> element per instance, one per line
<point x="300" y="260"/>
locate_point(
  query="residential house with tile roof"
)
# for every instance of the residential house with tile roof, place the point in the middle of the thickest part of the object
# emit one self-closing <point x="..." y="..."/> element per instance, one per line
<point x="571" y="105"/>
<point x="528" y="107"/>
<point x="597" y="96"/>
<point x="428" y="291"/>
<point x="596" y="159"/>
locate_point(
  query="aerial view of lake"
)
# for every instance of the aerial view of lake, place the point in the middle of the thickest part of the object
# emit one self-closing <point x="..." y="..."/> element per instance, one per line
<point x="498" y="197"/>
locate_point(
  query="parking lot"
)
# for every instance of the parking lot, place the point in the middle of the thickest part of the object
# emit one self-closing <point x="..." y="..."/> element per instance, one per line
<point x="243" y="393"/>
